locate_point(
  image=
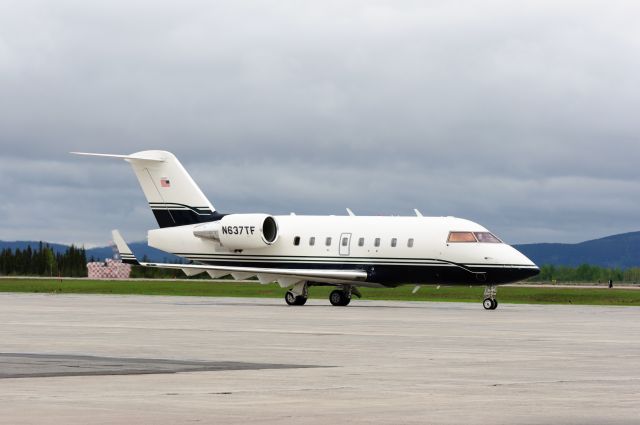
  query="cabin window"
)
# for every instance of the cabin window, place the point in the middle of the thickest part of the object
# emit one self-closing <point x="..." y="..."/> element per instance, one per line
<point x="394" y="242"/>
<point x="312" y="241"/>
<point x="376" y="242"/>
<point x="461" y="237"/>
<point x="345" y="241"/>
<point x="327" y="242"/>
<point x="410" y="243"/>
<point x="296" y="240"/>
<point x="361" y="242"/>
<point x="486" y="237"/>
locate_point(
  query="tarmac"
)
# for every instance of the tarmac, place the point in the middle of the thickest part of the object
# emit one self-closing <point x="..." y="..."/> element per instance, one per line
<point x="98" y="359"/>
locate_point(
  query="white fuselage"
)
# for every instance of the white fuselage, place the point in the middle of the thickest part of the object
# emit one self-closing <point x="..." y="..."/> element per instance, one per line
<point x="393" y="250"/>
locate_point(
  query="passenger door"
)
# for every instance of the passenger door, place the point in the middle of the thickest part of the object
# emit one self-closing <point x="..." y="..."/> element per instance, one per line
<point x="345" y="244"/>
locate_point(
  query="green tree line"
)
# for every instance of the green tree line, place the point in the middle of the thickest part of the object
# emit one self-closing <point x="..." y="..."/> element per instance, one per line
<point x="43" y="261"/>
<point x="586" y="273"/>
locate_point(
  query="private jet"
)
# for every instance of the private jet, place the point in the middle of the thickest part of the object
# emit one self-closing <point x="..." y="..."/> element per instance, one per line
<point x="299" y="251"/>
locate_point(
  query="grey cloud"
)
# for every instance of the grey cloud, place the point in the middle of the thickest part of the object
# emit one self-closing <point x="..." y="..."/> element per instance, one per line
<point x="519" y="116"/>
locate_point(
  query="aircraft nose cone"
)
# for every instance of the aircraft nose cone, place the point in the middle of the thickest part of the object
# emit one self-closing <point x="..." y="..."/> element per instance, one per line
<point x="534" y="271"/>
<point x="523" y="267"/>
<point x="518" y="274"/>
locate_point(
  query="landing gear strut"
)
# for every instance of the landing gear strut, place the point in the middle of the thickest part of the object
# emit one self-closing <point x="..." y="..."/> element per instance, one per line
<point x="490" y="302"/>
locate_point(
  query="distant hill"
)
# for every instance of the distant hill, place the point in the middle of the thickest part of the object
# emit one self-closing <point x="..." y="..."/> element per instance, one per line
<point x="22" y="245"/>
<point x="621" y="251"/>
<point x="140" y="249"/>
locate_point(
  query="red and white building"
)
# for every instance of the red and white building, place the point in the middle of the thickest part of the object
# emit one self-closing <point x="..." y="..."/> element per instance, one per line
<point x="108" y="269"/>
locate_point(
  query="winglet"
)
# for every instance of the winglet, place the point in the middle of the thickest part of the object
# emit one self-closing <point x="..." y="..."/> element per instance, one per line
<point x="123" y="249"/>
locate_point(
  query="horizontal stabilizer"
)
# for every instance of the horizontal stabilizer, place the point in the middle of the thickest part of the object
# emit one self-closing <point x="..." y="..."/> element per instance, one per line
<point x="140" y="156"/>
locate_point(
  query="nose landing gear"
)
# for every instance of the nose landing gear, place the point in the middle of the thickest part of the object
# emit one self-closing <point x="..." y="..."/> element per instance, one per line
<point x="490" y="302"/>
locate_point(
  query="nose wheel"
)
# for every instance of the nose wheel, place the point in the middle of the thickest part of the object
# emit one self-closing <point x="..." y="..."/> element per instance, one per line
<point x="490" y="302"/>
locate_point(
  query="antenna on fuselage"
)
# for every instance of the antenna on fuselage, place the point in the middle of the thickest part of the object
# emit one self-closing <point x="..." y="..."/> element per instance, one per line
<point x="418" y="213"/>
<point x="350" y="212"/>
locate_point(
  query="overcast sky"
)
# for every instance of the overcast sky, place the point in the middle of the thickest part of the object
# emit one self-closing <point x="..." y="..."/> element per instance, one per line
<point x="522" y="116"/>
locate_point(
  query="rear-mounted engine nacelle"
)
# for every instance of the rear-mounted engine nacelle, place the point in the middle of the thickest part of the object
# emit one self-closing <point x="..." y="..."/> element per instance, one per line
<point x="240" y="231"/>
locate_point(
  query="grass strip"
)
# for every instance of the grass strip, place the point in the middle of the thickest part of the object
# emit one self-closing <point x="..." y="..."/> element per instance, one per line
<point x="209" y="288"/>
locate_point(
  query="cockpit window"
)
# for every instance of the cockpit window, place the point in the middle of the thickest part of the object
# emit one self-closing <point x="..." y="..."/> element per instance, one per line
<point x="461" y="237"/>
<point x="482" y="237"/>
<point x="487" y="237"/>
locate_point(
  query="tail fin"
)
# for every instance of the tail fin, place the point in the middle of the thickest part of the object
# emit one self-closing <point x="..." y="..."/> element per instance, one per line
<point x="174" y="197"/>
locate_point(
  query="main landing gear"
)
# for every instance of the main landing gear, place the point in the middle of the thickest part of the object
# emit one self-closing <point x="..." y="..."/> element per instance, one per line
<point x="298" y="294"/>
<point x="341" y="297"/>
<point x="293" y="299"/>
<point x="490" y="302"/>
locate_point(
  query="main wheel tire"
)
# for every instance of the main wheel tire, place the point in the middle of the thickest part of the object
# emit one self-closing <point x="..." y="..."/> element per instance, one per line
<point x="293" y="299"/>
<point x="339" y="298"/>
<point x="290" y="298"/>
<point x="495" y="304"/>
<point x="488" y="304"/>
<point x="335" y="298"/>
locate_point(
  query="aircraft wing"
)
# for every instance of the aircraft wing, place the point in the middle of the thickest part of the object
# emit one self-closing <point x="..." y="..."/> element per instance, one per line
<point x="284" y="277"/>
